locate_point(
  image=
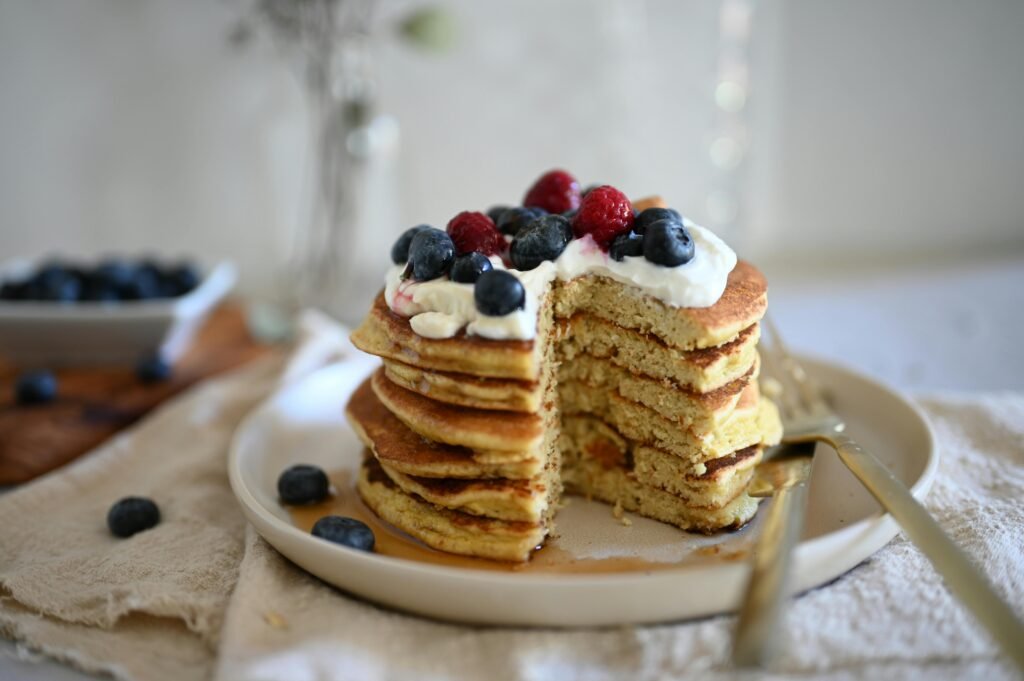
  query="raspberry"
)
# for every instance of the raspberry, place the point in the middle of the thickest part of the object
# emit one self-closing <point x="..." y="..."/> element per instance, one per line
<point x="556" y="192"/>
<point x="475" y="232"/>
<point x="604" y="214"/>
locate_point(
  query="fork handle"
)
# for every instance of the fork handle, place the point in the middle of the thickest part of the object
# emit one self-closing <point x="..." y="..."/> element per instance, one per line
<point x="758" y="626"/>
<point x="962" y="578"/>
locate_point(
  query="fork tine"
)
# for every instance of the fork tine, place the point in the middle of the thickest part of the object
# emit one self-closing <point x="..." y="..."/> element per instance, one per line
<point x="810" y="392"/>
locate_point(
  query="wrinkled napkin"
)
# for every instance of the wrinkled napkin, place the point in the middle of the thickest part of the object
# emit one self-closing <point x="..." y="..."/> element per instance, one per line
<point x="203" y="596"/>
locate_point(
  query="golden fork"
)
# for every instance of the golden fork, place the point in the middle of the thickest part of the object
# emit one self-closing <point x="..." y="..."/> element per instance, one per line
<point x="807" y="417"/>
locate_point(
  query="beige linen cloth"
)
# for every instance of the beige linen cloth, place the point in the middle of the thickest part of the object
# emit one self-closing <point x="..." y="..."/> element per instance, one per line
<point x="202" y="596"/>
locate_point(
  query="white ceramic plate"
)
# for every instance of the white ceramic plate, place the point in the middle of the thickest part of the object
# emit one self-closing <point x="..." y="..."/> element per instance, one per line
<point x="55" y="334"/>
<point x="305" y="423"/>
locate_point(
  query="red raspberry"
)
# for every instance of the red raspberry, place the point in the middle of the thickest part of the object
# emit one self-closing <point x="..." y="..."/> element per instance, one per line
<point x="556" y="192"/>
<point x="604" y="213"/>
<point x="475" y="232"/>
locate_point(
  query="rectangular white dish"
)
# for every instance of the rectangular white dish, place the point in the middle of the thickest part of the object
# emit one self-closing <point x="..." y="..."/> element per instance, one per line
<point x="38" y="334"/>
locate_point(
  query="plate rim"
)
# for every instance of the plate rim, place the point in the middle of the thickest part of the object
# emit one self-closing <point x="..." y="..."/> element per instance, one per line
<point x="880" y="527"/>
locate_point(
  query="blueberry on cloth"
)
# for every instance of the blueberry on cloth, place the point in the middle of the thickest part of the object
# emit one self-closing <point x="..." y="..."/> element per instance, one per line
<point x="153" y="369"/>
<point x="303" y="484"/>
<point x="498" y="293"/>
<point x="668" y="243"/>
<point x="467" y="268"/>
<point x="35" y="387"/>
<point x="431" y="253"/>
<point x="345" y="531"/>
<point x="543" y="239"/>
<point x="651" y="215"/>
<point x="626" y="245"/>
<point x="400" y="251"/>
<point x="131" y="515"/>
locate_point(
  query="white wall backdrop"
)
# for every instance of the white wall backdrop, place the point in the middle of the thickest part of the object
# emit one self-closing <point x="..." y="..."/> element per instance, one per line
<point x="878" y="128"/>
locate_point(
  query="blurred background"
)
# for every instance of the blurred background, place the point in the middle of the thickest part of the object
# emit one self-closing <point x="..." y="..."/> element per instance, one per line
<point x="843" y="146"/>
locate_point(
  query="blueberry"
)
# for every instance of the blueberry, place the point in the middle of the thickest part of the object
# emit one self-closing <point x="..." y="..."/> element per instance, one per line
<point x="51" y="271"/>
<point x="140" y="288"/>
<point x="153" y="369"/>
<point x="467" y="268"/>
<point x="132" y="515"/>
<point x="431" y="254"/>
<point x="400" y="251"/>
<point x="35" y="387"/>
<point x="115" y="272"/>
<point x="570" y="214"/>
<point x="649" y="215"/>
<point x="498" y="292"/>
<point x="515" y="219"/>
<point x="177" y="280"/>
<point x="99" y="290"/>
<point x="495" y="212"/>
<point x="345" y="531"/>
<point x="63" y="289"/>
<point x="12" y="290"/>
<point x="303" y="484"/>
<point x="668" y="243"/>
<point x="626" y="246"/>
<point x="543" y="239"/>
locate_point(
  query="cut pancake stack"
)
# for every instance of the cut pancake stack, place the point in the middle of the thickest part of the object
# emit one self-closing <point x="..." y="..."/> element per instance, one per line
<point x="655" y="409"/>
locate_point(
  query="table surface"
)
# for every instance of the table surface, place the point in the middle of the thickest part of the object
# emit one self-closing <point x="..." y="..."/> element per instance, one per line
<point x="936" y="326"/>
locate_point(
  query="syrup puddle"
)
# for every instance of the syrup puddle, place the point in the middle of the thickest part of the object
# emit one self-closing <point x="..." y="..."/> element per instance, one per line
<point x="550" y="558"/>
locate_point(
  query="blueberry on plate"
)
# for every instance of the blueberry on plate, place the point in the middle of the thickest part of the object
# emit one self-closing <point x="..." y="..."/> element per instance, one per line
<point x="303" y="484"/>
<point x="153" y="369"/>
<point x="515" y="219"/>
<point x="132" y="515"/>
<point x="543" y="239"/>
<point x="668" y="243"/>
<point x="498" y="293"/>
<point x="35" y="387"/>
<point x="400" y="250"/>
<point x="626" y="245"/>
<point x="345" y="531"/>
<point x="495" y="212"/>
<point x="651" y="215"/>
<point x="431" y="254"/>
<point x="467" y="268"/>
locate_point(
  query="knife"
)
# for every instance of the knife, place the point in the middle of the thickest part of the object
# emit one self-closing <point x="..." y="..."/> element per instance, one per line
<point x="782" y="475"/>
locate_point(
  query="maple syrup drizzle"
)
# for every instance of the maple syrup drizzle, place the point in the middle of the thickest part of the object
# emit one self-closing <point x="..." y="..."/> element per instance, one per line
<point x="550" y="558"/>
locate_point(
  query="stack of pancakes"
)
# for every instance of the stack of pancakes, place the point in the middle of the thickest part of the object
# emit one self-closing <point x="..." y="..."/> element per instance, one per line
<point x="620" y="398"/>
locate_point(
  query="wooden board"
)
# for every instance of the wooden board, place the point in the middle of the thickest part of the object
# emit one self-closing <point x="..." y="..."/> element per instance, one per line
<point x="95" y="403"/>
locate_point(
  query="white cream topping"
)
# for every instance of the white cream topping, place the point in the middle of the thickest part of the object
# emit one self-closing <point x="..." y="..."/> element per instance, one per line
<point x="439" y="308"/>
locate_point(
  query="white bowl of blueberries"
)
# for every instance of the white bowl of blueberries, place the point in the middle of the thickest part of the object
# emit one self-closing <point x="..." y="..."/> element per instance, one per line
<point x="113" y="311"/>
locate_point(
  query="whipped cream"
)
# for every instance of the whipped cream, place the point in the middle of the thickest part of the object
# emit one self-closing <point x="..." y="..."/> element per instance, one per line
<point x="440" y="308"/>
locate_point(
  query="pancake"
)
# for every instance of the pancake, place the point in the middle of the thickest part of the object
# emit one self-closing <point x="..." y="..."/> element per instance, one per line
<point x="460" y="426"/>
<point x="709" y="485"/>
<point x="498" y="498"/>
<point x="700" y="370"/>
<point x="404" y="451"/>
<point x="615" y="486"/>
<point x="443" y="529"/>
<point x="389" y="335"/>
